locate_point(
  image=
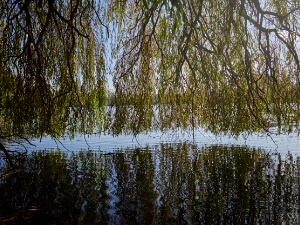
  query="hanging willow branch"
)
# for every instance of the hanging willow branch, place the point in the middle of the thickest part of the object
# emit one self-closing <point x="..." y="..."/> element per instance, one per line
<point x="231" y="66"/>
<point x="52" y="67"/>
<point x="52" y="79"/>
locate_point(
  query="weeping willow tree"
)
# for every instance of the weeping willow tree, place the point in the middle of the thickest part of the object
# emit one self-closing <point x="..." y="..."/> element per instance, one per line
<point x="230" y="66"/>
<point x="52" y="67"/>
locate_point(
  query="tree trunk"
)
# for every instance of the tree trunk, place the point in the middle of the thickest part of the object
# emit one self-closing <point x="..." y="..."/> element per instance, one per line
<point x="12" y="165"/>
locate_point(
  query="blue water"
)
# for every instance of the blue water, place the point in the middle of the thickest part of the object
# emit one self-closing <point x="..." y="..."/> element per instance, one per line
<point x="282" y="143"/>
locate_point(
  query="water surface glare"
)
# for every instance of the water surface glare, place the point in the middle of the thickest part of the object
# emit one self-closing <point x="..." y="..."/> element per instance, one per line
<point x="282" y="143"/>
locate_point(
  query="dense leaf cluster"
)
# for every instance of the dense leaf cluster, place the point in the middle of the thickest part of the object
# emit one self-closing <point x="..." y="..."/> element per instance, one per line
<point x="51" y="67"/>
<point x="230" y="66"/>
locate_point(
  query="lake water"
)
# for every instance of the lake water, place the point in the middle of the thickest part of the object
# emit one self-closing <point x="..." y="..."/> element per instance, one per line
<point x="156" y="178"/>
<point x="282" y="143"/>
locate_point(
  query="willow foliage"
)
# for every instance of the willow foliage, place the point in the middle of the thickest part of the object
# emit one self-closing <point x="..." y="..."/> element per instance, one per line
<point x="230" y="66"/>
<point x="51" y="67"/>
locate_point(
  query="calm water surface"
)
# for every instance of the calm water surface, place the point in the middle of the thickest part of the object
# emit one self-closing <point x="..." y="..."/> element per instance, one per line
<point x="282" y="143"/>
<point x="166" y="178"/>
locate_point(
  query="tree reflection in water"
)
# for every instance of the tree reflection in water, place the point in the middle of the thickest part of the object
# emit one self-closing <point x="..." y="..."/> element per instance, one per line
<point x="167" y="184"/>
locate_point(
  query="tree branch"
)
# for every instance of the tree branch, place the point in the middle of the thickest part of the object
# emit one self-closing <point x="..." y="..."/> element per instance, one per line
<point x="12" y="165"/>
